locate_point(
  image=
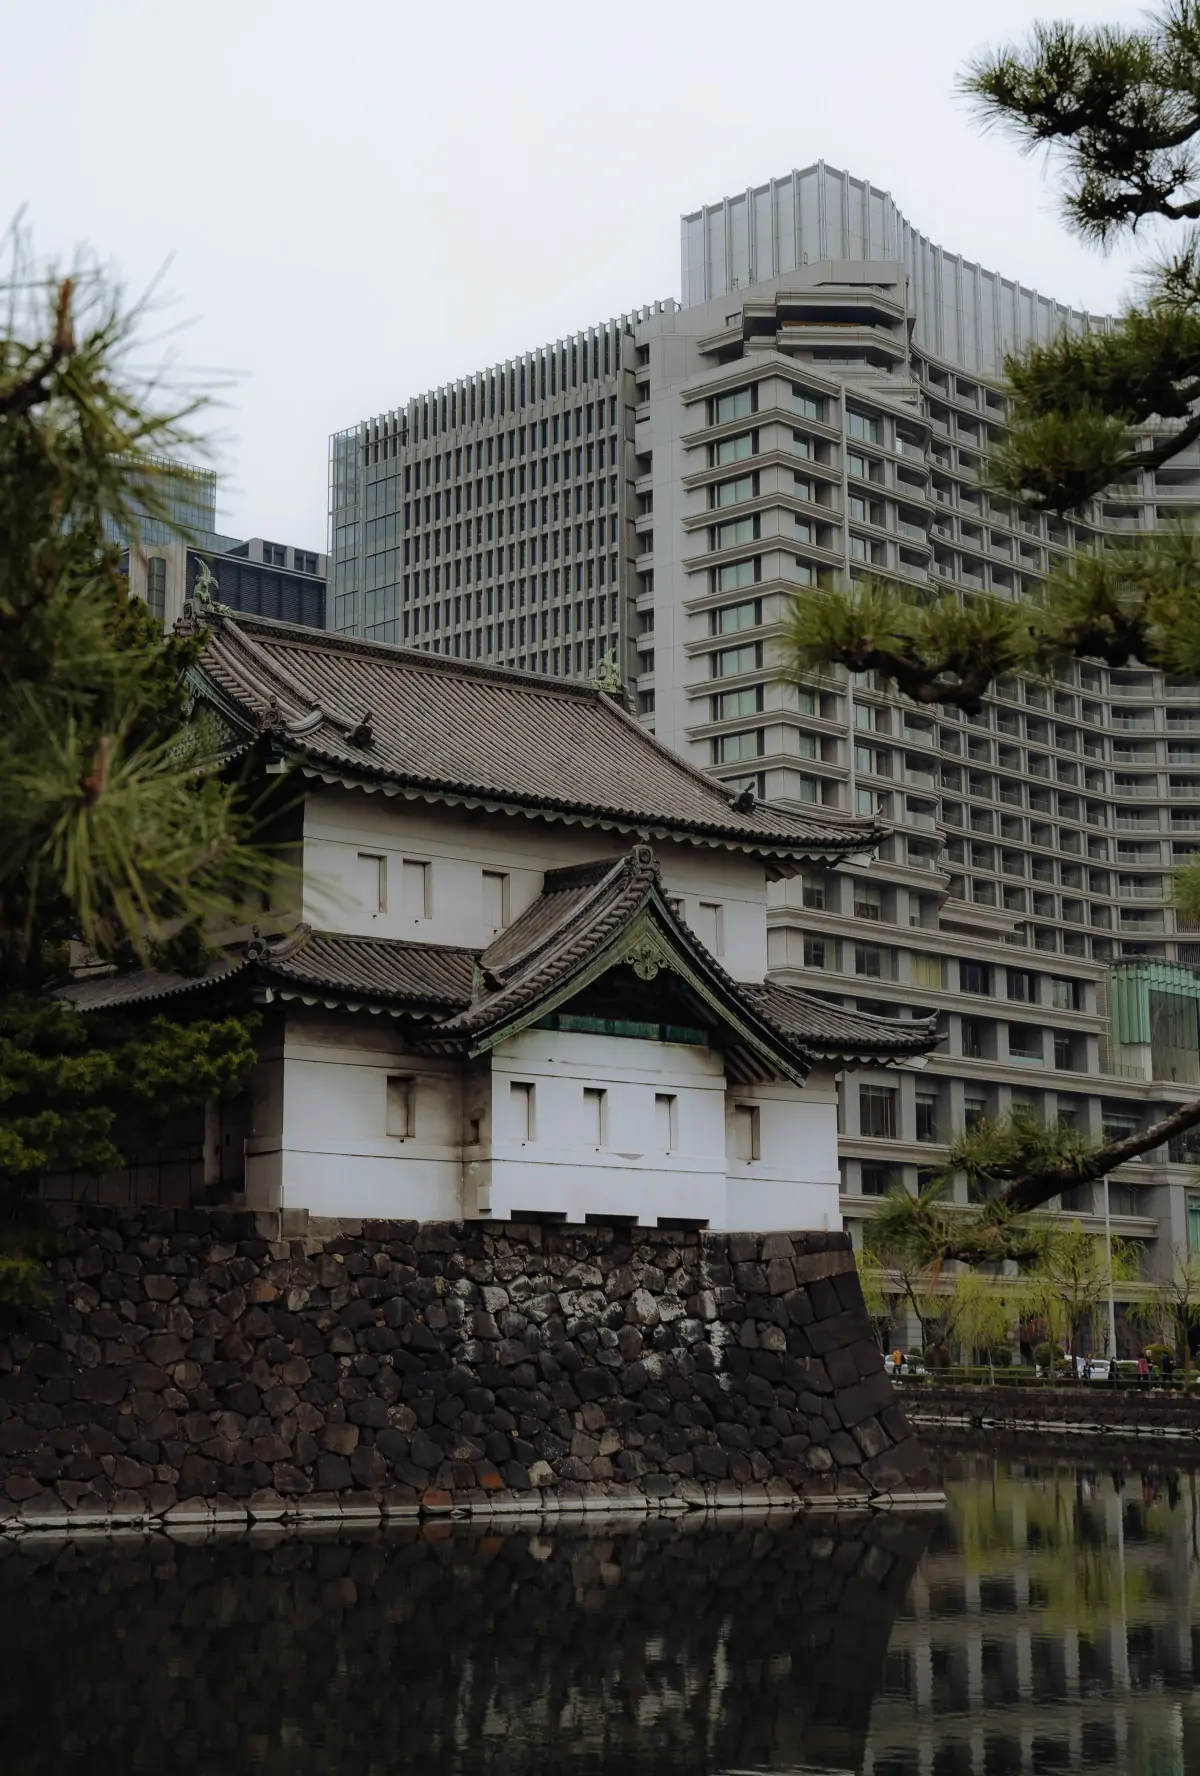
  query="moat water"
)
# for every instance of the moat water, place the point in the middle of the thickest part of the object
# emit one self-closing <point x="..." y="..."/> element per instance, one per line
<point x="1048" y="1621"/>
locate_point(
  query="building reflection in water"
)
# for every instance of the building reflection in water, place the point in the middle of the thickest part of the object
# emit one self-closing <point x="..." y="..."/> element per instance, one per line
<point x="1052" y="1626"/>
<point x="1047" y="1622"/>
<point x="657" y="1647"/>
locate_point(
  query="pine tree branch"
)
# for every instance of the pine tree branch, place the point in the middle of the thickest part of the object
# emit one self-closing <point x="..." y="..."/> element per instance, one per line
<point x="1170" y="447"/>
<point x="35" y="387"/>
<point x="1037" y="1187"/>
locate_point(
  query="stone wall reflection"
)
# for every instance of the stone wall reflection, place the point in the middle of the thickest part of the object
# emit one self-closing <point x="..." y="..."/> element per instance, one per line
<point x="665" y="1646"/>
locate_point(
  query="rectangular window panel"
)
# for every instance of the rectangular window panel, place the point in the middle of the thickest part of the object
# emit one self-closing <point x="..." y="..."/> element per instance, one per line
<point x="731" y="493"/>
<point x="927" y="1116"/>
<point x="861" y="425"/>
<point x="734" y="534"/>
<point x="401" y="1106"/>
<point x="734" y="449"/>
<point x="371" y="881"/>
<point x="595" y="1107"/>
<point x="877" y="1112"/>
<point x="737" y="405"/>
<point x="521" y="1097"/>
<point x="732" y="617"/>
<point x="495" y="900"/>
<point x="737" y="573"/>
<point x="710" y="926"/>
<point x="666" y="1113"/>
<point x="747" y="1139"/>
<point x="417" y="890"/>
<point x="732" y="661"/>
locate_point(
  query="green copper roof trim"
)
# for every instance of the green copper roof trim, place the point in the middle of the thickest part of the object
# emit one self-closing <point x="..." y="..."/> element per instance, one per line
<point x="648" y="947"/>
<point x="1130" y="987"/>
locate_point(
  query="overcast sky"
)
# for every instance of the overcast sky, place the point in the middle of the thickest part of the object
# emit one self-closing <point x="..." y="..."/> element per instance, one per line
<point x="361" y="201"/>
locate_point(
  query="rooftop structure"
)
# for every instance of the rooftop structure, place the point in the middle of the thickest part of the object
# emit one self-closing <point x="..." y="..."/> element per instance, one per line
<point x="484" y="993"/>
<point x="821" y="405"/>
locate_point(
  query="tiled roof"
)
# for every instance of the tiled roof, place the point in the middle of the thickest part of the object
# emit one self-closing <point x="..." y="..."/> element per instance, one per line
<point x="369" y="711"/>
<point x="574" y="920"/>
<point x="107" y="990"/>
<point x="432" y="979"/>
<point x="433" y="976"/>
<point x="835" y="1033"/>
<point x="587" y="921"/>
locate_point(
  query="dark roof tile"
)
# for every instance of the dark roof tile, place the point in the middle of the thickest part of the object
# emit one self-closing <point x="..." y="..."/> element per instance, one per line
<point x="465" y="729"/>
<point x="834" y="1032"/>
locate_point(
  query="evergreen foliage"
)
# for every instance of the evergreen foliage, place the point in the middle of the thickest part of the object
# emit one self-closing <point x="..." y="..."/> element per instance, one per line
<point x="119" y="840"/>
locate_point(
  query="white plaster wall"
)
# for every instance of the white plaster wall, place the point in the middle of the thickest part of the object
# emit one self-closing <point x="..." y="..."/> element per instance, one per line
<point x="335" y="1155"/>
<point x="459" y="846"/>
<point x="319" y="1136"/>
<point x="793" y="1184"/>
<point x="558" y="1172"/>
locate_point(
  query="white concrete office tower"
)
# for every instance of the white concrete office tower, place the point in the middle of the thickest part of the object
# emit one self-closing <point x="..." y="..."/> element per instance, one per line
<point x="820" y="405"/>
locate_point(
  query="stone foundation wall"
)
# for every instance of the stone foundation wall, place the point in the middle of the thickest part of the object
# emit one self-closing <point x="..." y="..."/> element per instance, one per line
<point x="194" y="1361"/>
<point x="1089" y="1407"/>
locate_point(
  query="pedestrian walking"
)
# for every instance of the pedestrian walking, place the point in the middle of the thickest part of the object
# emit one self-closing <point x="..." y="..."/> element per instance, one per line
<point x="1143" y="1370"/>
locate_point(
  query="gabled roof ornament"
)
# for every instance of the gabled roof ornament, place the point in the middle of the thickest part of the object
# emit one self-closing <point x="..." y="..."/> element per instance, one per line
<point x="202" y="610"/>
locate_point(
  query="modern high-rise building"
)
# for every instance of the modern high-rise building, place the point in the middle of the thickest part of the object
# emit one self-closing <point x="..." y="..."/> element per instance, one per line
<point x="660" y="488"/>
<point x="163" y="557"/>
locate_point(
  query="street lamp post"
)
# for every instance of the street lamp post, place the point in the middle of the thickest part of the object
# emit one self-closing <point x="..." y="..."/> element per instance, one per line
<point x="1112" y="1308"/>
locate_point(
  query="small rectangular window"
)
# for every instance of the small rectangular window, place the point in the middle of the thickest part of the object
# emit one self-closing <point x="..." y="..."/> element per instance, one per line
<point x="734" y="533"/>
<point x="417" y="885"/>
<point x="974" y="1112"/>
<point x="747" y="1143"/>
<point x="734" y="449"/>
<point x="595" y="1115"/>
<point x="811" y="406"/>
<point x="371" y="882"/>
<point x="868" y="901"/>
<point x="521" y="1096"/>
<point x="732" y="617"/>
<point x="710" y="926"/>
<point x="877" y="1112"/>
<point x="738" y="573"/>
<point x="156" y="587"/>
<point x="927" y="1116"/>
<point x="861" y="425"/>
<point x="495" y="900"/>
<point x="666" y="1112"/>
<point x="925" y="970"/>
<point x="738" y="405"/>
<point x="401" y="1106"/>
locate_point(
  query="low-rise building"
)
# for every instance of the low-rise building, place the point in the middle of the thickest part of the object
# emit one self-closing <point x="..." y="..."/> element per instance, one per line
<point x="518" y="963"/>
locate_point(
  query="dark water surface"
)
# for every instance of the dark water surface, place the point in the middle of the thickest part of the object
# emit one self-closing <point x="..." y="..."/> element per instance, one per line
<point x="1049" y="1621"/>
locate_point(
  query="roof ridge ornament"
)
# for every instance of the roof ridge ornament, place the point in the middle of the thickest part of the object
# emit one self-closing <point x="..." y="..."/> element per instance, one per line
<point x="646" y="957"/>
<point x="202" y="610"/>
